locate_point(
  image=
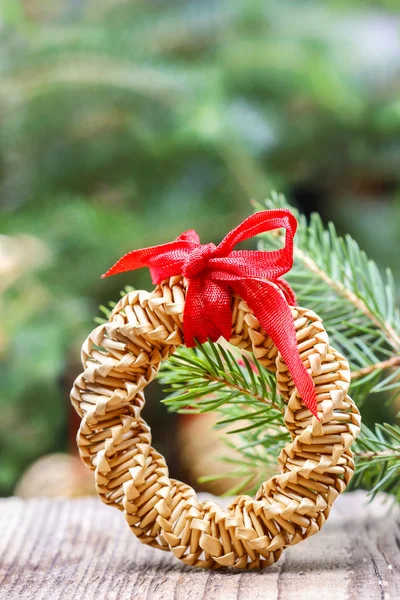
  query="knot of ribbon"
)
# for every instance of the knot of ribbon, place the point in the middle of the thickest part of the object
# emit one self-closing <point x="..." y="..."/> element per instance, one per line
<point x="213" y="272"/>
<point x="197" y="260"/>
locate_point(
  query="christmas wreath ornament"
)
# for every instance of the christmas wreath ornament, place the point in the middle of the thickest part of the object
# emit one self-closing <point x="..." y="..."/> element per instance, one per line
<point x="205" y="292"/>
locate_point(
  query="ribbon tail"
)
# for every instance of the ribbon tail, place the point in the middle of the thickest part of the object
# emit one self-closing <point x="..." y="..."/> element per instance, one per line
<point x="207" y="313"/>
<point x="273" y="313"/>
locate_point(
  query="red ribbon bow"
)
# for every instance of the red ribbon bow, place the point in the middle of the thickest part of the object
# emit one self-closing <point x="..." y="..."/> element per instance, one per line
<point x="213" y="271"/>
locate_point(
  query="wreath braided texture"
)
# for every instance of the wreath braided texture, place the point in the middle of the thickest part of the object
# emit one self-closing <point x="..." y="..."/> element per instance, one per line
<point x="123" y="355"/>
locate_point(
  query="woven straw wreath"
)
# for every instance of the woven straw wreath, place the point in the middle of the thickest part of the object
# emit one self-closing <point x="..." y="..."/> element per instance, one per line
<point x="123" y="355"/>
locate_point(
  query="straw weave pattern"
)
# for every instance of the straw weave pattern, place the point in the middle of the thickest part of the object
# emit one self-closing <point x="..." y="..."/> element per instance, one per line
<point x="123" y="355"/>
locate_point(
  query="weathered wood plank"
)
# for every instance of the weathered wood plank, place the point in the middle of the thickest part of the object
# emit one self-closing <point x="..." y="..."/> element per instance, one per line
<point x="81" y="549"/>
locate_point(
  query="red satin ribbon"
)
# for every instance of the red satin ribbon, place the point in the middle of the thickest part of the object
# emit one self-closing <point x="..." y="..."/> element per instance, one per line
<point x="214" y="271"/>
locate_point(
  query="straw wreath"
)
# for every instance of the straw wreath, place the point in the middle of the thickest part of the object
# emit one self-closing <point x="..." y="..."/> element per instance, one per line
<point x="123" y="355"/>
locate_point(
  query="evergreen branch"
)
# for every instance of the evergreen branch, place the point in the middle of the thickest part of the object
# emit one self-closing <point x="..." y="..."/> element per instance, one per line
<point x="243" y="393"/>
<point x="377" y="455"/>
<point x="231" y="375"/>
<point x="383" y="454"/>
<point x="334" y="277"/>
<point x="349" y="295"/>
<point x="394" y="361"/>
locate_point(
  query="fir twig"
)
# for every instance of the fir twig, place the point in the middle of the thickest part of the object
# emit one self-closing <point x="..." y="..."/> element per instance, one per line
<point x="349" y="295"/>
<point x="334" y="277"/>
<point x="211" y="377"/>
<point x="377" y="455"/>
<point x="394" y="361"/>
<point x="213" y="368"/>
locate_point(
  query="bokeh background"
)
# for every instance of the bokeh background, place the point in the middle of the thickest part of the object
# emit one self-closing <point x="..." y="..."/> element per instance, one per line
<point x="123" y="123"/>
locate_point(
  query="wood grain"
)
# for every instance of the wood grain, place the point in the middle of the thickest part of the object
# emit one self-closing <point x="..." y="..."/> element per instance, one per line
<point x="82" y="550"/>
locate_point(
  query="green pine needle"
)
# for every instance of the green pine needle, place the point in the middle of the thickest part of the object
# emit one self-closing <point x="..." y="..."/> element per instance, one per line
<point x="333" y="277"/>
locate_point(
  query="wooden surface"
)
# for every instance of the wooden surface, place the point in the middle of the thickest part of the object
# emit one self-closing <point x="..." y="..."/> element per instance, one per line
<point x="81" y="549"/>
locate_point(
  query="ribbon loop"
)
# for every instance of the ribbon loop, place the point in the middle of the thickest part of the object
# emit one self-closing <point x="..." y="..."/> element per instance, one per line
<point x="214" y="271"/>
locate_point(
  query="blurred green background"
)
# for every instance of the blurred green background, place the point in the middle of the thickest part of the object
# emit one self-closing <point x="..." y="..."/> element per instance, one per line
<point x="123" y="123"/>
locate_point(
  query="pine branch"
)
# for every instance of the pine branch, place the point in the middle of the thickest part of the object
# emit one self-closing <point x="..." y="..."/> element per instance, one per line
<point x="384" y="364"/>
<point x="334" y="277"/>
<point x="377" y="455"/>
<point x="349" y="295"/>
<point x="211" y="377"/>
<point x="212" y="368"/>
<point x="242" y="393"/>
